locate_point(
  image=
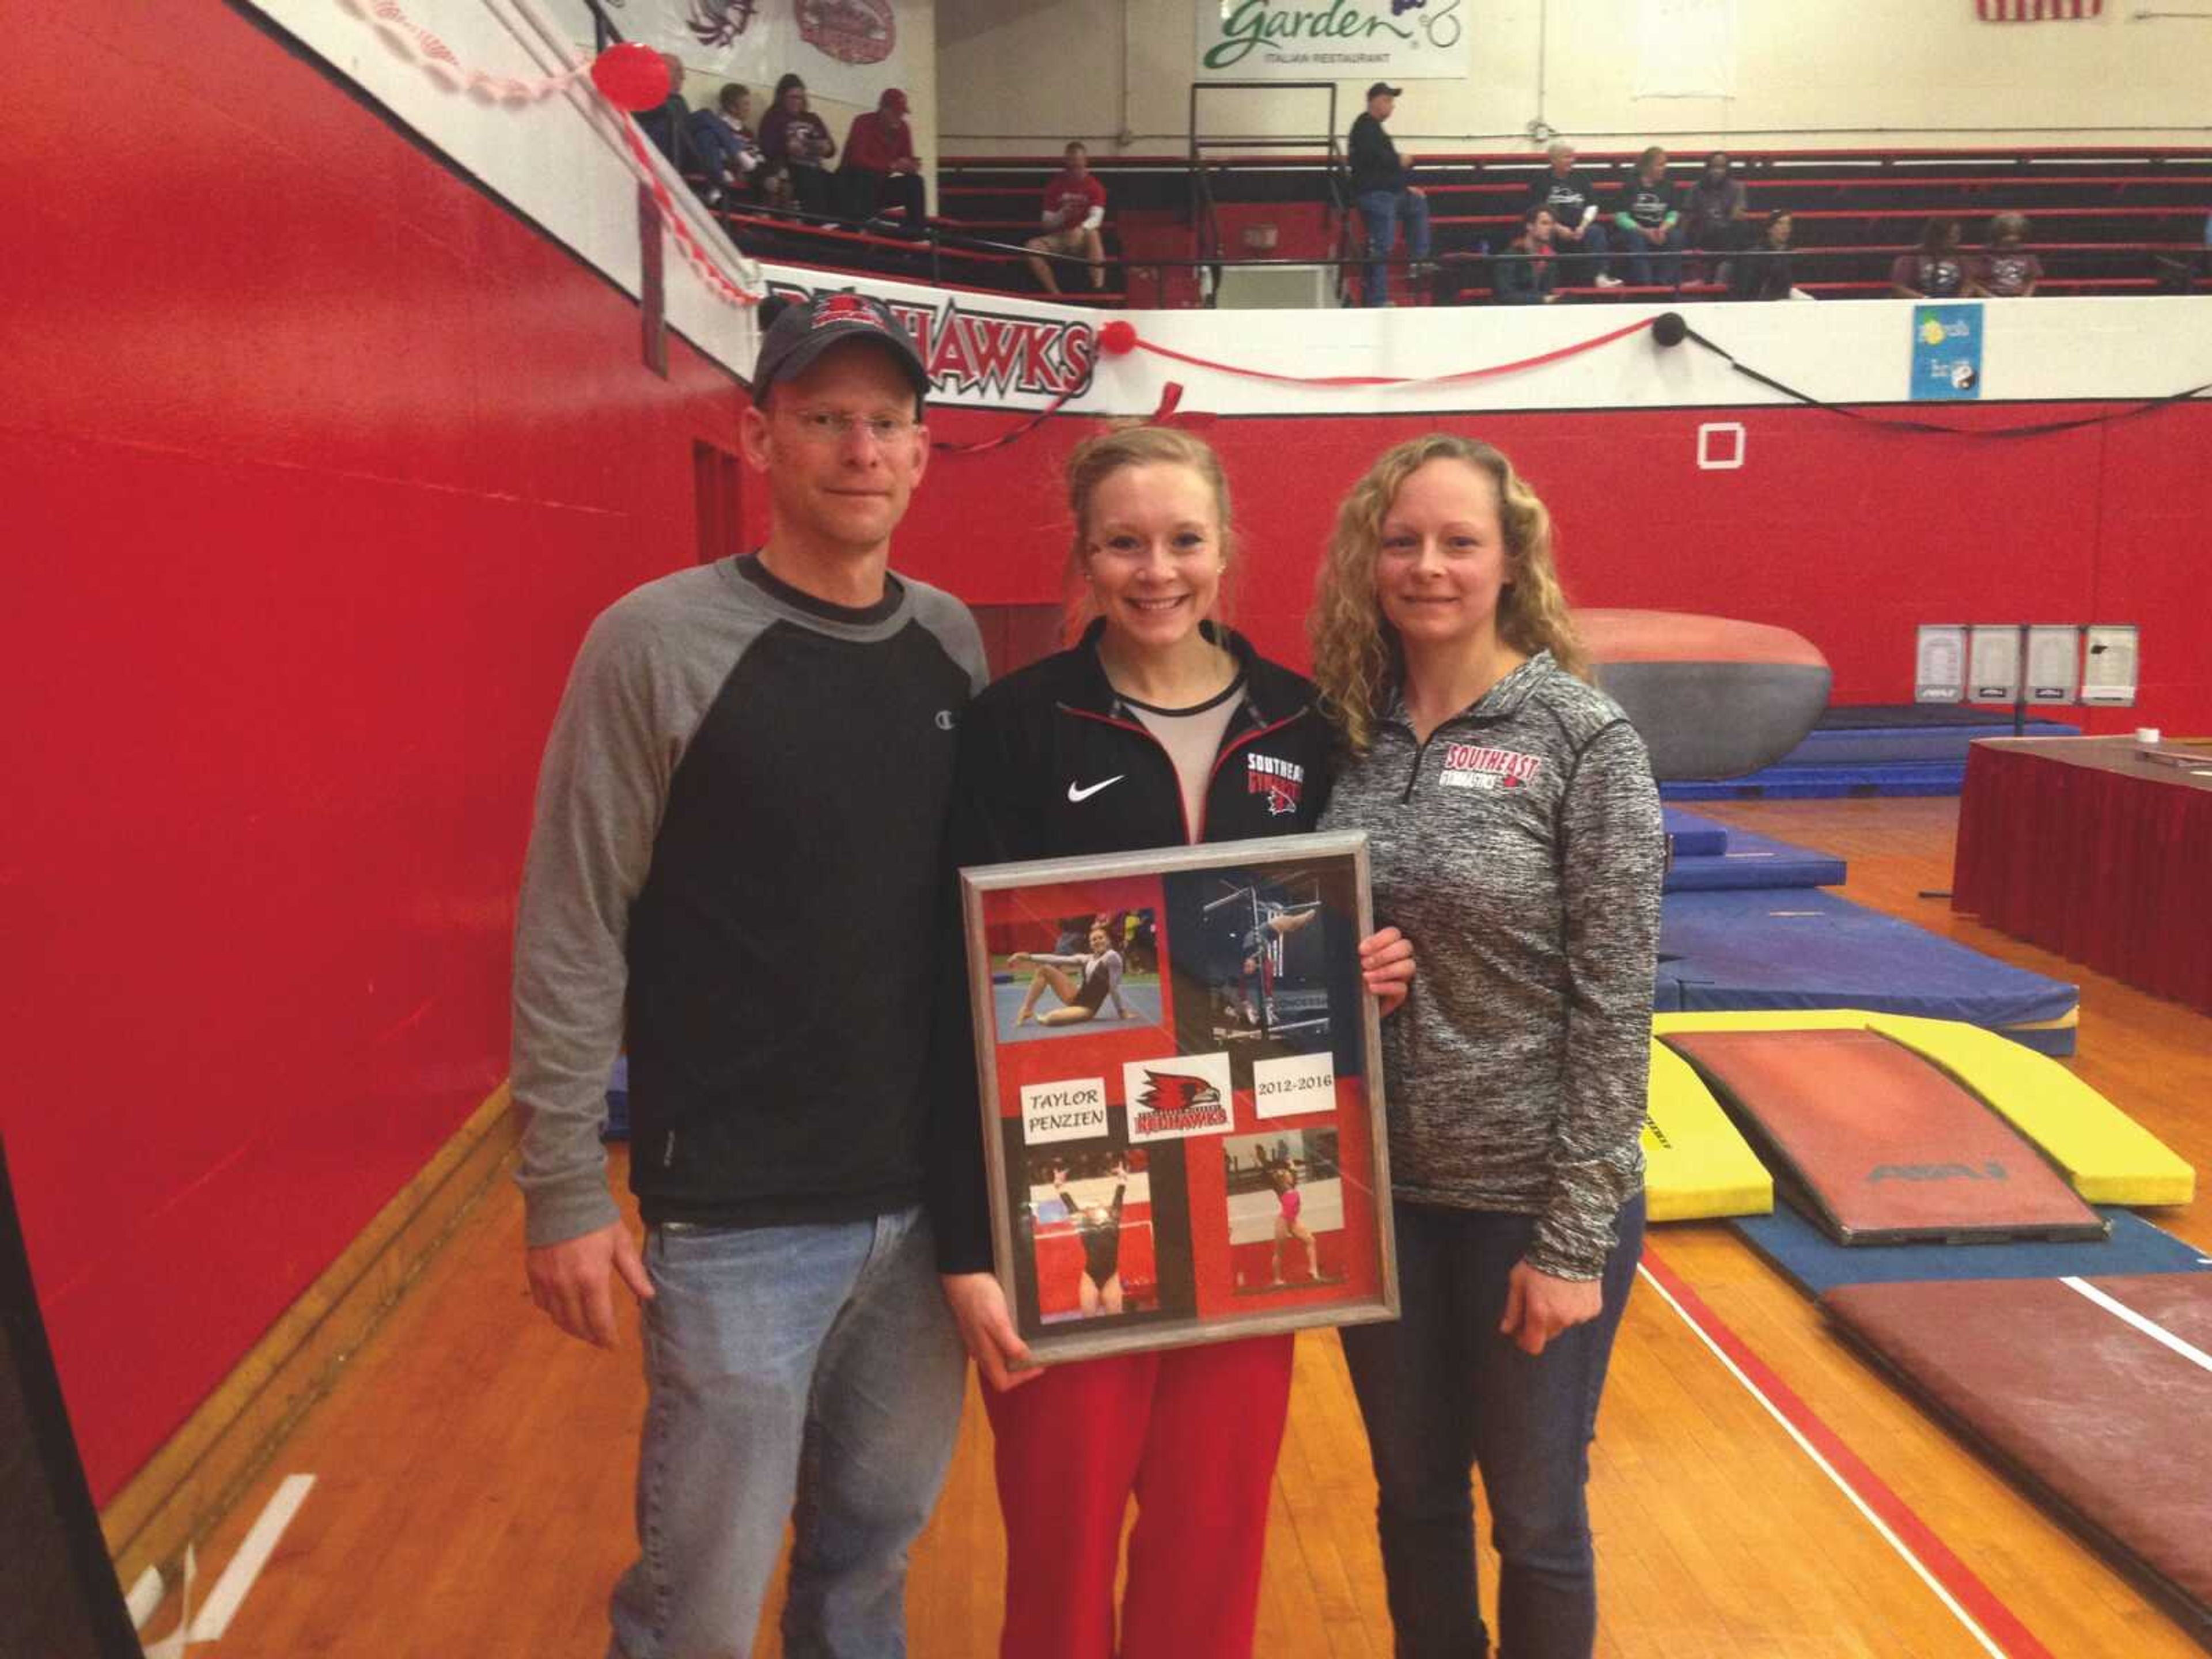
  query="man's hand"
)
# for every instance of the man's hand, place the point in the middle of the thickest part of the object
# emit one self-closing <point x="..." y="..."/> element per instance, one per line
<point x="1538" y="1306"/>
<point x="979" y="1307"/>
<point x="1386" y="963"/>
<point x="573" y="1281"/>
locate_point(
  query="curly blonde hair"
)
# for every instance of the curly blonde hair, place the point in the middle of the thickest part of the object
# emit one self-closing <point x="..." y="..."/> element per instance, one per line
<point x="1102" y="454"/>
<point x="1356" y="652"/>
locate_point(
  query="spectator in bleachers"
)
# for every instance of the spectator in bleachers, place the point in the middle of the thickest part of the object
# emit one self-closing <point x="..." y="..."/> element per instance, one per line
<point x="1650" y="221"/>
<point x="795" y="138"/>
<point x="1578" y="229"/>
<point x="724" y="149"/>
<point x="2006" y="270"/>
<point x="880" y="168"/>
<point x="666" y="124"/>
<point x="1527" y="272"/>
<point x="1763" y="272"/>
<point x="1381" y="191"/>
<point x="1933" y="270"/>
<point x="1714" y="209"/>
<point x="1074" y="208"/>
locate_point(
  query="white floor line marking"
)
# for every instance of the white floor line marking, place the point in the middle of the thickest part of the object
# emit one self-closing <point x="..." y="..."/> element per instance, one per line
<point x="1881" y="1526"/>
<point x="229" y="1592"/>
<point x="144" y="1600"/>
<point x="2149" y="1327"/>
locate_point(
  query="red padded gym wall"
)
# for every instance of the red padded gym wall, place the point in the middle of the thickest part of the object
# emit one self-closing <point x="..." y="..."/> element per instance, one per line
<point x="318" y="462"/>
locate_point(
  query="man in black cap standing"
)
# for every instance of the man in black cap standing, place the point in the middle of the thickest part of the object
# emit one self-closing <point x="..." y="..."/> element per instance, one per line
<point x="738" y="870"/>
<point x="1379" y="187"/>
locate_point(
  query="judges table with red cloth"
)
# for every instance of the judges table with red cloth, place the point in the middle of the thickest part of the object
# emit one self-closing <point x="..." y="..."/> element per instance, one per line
<point x="2081" y="846"/>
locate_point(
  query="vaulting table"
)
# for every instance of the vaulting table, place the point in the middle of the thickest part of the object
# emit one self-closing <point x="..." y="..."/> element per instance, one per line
<point x="2082" y="845"/>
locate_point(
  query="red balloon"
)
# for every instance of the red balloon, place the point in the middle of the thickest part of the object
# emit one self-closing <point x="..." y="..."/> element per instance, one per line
<point x="1118" y="338"/>
<point x="631" y="76"/>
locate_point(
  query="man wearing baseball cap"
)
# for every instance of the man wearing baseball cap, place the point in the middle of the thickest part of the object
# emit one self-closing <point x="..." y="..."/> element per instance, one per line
<point x="880" y="169"/>
<point x="737" y="873"/>
<point x="1379" y="186"/>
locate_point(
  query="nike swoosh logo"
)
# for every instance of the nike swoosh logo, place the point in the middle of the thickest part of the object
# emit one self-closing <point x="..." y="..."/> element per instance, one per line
<point x="1075" y="794"/>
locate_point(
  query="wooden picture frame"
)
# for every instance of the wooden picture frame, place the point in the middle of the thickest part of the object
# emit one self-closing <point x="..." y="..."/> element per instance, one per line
<point x="1182" y="1091"/>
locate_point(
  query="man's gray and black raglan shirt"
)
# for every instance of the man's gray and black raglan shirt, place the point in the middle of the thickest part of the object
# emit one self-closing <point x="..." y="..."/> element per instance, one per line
<point x="1522" y="850"/>
<point x="740" y="846"/>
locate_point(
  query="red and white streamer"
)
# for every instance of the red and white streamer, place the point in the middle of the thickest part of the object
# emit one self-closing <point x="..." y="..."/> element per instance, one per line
<point x="439" y="57"/>
<point x="442" y="60"/>
<point x="1515" y="367"/>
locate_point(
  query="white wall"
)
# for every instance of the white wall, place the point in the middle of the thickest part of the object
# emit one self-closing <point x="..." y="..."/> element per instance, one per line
<point x="1015" y="75"/>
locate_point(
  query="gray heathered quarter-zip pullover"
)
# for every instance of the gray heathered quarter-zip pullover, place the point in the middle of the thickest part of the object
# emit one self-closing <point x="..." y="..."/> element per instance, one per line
<point x="1522" y="850"/>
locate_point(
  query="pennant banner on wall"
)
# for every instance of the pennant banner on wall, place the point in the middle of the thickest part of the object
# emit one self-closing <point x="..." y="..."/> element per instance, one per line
<point x="2036" y="11"/>
<point x="844" y="50"/>
<point x="1332" y="40"/>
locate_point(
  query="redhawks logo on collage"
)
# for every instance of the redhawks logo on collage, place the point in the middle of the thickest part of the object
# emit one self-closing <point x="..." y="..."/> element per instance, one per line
<point x="1280" y="780"/>
<point x="1475" y="766"/>
<point x="1172" y="1104"/>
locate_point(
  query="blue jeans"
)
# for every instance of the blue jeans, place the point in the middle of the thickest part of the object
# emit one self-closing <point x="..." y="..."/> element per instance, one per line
<point x="1648" y="264"/>
<point x="1442" y="1392"/>
<point x="1382" y="209"/>
<point x="818" y="1362"/>
<point x="1580" y="263"/>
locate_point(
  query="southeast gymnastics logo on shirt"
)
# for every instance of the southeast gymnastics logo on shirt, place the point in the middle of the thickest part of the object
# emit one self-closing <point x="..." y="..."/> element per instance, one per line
<point x="1280" y="780"/>
<point x="1473" y="766"/>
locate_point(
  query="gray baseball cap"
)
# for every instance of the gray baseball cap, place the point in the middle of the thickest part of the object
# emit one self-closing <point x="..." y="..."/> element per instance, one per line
<point x="804" y="329"/>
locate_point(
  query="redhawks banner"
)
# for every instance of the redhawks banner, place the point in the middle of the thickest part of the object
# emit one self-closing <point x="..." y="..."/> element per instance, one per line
<point x="2037" y="11"/>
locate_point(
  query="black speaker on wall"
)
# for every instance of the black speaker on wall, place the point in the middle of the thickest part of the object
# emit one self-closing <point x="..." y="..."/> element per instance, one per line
<point x="58" y="1597"/>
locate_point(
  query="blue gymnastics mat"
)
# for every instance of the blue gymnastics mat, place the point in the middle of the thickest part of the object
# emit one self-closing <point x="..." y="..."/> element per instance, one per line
<point x="1144" y="1001"/>
<point x="1893" y="778"/>
<point x="1803" y="948"/>
<point x="1815" y="1263"/>
<point x="1752" y="860"/>
<point x="1693" y="838"/>
<point x="1890" y="739"/>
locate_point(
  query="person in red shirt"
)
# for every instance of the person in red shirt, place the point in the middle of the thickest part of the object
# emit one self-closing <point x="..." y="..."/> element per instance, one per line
<point x="1074" y="207"/>
<point x="880" y="168"/>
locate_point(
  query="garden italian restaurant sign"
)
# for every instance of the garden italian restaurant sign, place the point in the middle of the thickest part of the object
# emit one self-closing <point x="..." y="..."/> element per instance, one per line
<point x="1332" y="40"/>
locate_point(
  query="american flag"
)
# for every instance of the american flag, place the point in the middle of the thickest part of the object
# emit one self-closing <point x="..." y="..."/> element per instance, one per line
<point x="2035" y="11"/>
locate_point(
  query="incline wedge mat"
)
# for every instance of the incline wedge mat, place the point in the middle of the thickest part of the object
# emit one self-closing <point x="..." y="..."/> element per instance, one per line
<point x="2095" y="1394"/>
<point x="1695" y="1163"/>
<point x="1877" y="1145"/>
<point x="2107" y="1157"/>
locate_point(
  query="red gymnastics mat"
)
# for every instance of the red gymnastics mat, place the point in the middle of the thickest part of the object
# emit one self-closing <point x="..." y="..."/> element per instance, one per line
<point x="1878" y="1146"/>
<point x="2094" y="1393"/>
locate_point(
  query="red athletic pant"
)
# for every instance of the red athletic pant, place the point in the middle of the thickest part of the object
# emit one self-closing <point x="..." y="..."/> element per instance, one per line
<point x="1192" y="1433"/>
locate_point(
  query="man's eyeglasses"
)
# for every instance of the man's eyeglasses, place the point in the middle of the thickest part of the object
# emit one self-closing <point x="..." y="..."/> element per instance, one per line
<point x="831" y="426"/>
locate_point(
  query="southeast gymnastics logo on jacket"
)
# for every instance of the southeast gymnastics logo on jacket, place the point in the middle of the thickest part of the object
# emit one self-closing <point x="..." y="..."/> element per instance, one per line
<point x="1473" y="766"/>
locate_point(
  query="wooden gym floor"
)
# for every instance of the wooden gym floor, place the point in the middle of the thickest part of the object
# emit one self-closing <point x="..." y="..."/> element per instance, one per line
<point x="473" y="1467"/>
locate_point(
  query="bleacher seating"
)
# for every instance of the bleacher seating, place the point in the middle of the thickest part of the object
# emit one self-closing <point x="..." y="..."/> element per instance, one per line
<point x="2105" y="221"/>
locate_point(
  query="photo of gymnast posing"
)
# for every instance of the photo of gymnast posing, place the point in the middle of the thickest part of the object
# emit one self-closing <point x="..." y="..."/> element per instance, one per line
<point x="1052" y="977"/>
<point x="1083" y="984"/>
<point x="1099" y="1229"/>
<point x="1284" y="1180"/>
<point x="1285" y="1195"/>
<point x="1090" y="1231"/>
